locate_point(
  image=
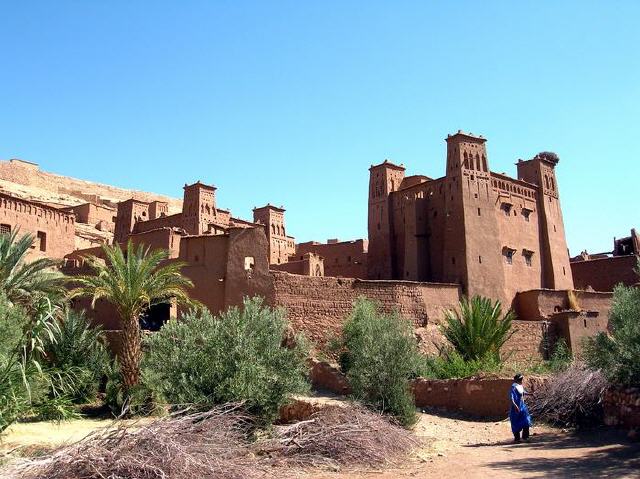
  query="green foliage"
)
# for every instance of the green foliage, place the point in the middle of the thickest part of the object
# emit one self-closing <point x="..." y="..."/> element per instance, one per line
<point x="22" y="380"/>
<point x="238" y="356"/>
<point x="133" y="281"/>
<point x="561" y="358"/>
<point x="58" y="408"/>
<point x="478" y="330"/>
<point x="381" y="356"/>
<point x="618" y="354"/>
<point x="77" y="349"/>
<point x="451" y="365"/>
<point x="29" y="284"/>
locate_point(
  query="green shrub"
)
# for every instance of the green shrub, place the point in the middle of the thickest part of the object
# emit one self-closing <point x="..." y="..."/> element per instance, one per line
<point x="380" y="357"/>
<point x="618" y="354"/>
<point x="478" y="330"/>
<point x="451" y="365"/>
<point x="237" y="356"/>
<point x="561" y="358"/>
<point x="77" y="352"/>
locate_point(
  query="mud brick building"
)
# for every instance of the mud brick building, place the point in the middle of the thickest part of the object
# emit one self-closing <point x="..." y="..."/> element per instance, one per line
<point x="603" y="271"/>
<point x="430" y="241"/>
<point x="492" y="234"/>
<point x="52" y="229"/>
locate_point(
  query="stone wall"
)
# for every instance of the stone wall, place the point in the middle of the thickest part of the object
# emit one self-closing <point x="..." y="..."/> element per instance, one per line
<point x="542" y="304"/>
<point x="318" y="306"/>
<point x="622" y="408"/>
<point x="530" y="342"/>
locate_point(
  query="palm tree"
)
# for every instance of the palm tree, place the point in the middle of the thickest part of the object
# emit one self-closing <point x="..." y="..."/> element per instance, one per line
<point x="132" y="282"/>
<point x="28" y="283"/>
<point x="478" y="330"/>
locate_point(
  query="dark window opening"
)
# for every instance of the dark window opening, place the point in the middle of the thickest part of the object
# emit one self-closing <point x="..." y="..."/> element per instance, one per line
<point x="480" y="259"/>
<point x="155" y="317"/>
<point x="506" y="208"/>
<point x="508" y="255"/>
<point x="528" y="257"/>
<point x="479" y="212"/>
<point x="453" y="260"/>
<point x="41" y="239"/>
<point x="526" y="213"/>
<point x="5" y="229"/>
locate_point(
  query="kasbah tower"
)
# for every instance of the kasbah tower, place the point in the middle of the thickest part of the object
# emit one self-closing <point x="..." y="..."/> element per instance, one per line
<point x="490" y="233"/>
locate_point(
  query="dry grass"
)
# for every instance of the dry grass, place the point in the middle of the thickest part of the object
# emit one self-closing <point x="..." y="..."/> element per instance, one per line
<point x="218" y="444"/>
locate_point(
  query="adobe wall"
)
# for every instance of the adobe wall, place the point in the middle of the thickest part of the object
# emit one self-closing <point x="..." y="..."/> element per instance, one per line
<point x="575" y="327"/>
<point x="484" y="397"/>
<point x="319" y="306"/>
<point x="541" y="304"/>
<point x="100" y="217"/>
<point x="603" y="274"/>
<point x="346" y="259"/>
<point x="162" y="238"/>
<point x="57" y="226"/>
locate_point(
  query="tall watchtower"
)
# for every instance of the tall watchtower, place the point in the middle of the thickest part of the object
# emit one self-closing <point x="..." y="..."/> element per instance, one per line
<point x="273" y="220"/>
<point x="384" y="179"/>
<point x="540" y="170"/>
<point x="198" y="208"/>
<point x="472" y="236"/>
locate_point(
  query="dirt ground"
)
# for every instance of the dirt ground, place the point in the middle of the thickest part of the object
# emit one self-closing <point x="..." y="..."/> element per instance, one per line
<point x="453" y="448"/>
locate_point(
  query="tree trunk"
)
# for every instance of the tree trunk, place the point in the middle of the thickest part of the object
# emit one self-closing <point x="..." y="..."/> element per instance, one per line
<point x="131" y="353"/>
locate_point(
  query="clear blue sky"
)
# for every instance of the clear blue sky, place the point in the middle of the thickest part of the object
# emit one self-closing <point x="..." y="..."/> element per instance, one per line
<point x="291" y="102"/>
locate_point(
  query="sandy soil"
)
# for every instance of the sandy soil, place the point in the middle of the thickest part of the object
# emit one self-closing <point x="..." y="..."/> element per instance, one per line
<point x="455" y="448"/>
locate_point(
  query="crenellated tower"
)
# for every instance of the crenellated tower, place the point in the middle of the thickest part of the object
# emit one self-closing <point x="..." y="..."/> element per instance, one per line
<point x="198" y="208"/>
<point x="556" y="272"/>
<point x="384" y="179"/>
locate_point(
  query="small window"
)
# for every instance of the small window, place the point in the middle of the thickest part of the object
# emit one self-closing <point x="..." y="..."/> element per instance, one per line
<point x="249" y="263"/>
<point x="526" y="213"/>
<point x="41" y="239"/>
<point x="480" y="259"/>
<point x="506" y="208"/>
<point x="528" y="257"/>
<point x="5" y="229"/>
<point x="508" y="255"/>
<point x="479" y="212"/>
<point x="453" y="260"/>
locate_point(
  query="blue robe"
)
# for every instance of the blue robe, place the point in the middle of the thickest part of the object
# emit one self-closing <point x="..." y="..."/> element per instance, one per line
<point x="522" y="419"/>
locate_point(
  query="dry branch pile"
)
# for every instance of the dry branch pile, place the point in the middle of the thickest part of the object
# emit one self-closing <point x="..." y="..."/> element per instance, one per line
<point x="217" y="444"/>
<point x="340" y="436"/>
<point x="571" y="398"/>
<point x="203" y="445"/>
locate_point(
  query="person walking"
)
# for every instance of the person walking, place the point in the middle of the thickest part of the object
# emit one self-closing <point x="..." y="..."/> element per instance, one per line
<point x="519" y="413"/>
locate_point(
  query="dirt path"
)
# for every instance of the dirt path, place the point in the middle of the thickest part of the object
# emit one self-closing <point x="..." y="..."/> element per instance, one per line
<point x="463" y="449"/>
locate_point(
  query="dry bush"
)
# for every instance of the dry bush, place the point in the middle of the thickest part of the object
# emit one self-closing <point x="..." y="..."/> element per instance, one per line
<point x="571" y="398"/>
<point x="339" y="436"/>
<point x="217" y="444"/>
<point x="202" y="445"/>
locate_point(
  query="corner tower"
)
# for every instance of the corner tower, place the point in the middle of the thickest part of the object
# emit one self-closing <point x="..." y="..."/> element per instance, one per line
<point x="556" y="272"/>
<point x="384" y="179"/>
<point x="198" y="208"/>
